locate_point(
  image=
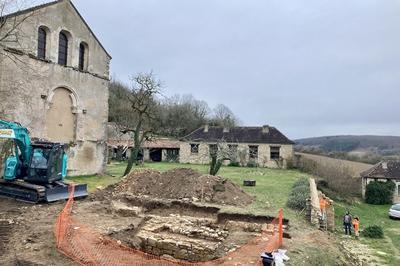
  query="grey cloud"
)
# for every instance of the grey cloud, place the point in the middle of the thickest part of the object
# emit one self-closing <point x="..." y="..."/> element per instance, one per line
<point x="309" y="67"/>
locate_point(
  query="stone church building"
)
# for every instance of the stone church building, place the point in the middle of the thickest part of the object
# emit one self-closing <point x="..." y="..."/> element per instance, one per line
<point x="54" y="80"/>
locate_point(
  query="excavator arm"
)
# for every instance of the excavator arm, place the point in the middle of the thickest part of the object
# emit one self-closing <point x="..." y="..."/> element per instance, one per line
<point x="23" y="148"/>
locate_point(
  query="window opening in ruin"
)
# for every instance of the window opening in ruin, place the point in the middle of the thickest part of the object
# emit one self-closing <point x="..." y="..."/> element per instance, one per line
<point x="275" y="153"/>
<point x="194" y="148"/>
<point x="253" y="152"/>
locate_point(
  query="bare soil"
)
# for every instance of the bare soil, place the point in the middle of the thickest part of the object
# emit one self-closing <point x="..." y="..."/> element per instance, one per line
<point x="27" y="238"/>
<point x="185" y="184"/>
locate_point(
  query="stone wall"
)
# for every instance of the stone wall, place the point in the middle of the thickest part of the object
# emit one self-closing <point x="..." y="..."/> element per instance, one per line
<point x="263" y="160"/>
<point x="313" y="210"/>
<point x="314" y="203"/>
<point x="29" y="86"/>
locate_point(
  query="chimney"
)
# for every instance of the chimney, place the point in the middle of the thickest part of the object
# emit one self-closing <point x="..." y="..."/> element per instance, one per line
<point x="205" y="128"/>
<point x="225" y="130"/>
<point x="265" y="129"/>
<point x="384" y="165"/>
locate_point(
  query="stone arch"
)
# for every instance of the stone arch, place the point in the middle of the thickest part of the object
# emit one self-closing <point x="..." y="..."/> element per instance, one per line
<point x="61" y="115"/>
<point x="72" y="94"/>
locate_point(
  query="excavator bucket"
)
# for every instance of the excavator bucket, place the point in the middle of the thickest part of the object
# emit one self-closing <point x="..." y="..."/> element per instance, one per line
<point x="61" y="192"/>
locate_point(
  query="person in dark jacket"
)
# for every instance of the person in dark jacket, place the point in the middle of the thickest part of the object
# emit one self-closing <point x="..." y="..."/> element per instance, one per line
<point x="347" y="222"/>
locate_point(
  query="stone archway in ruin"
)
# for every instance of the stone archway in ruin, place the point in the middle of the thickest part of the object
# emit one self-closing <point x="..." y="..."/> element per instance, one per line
<point x="61" y="115"/>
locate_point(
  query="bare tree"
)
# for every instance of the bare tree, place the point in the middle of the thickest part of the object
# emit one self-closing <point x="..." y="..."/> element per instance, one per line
<point x="220" y="152"/>
<point x="139" y="115"/>
<point x="223" y="116"/>
<point x="11" y="45"/>
<point x="180" y="115"/>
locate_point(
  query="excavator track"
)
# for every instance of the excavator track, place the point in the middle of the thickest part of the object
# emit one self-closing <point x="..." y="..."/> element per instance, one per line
<point x="22" y="191"/>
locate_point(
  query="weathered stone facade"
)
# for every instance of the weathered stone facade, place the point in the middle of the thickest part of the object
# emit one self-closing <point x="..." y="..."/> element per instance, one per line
<point x="59" y="103"/>
<point x="270" y="148"/>
<point x="263" y="158"/>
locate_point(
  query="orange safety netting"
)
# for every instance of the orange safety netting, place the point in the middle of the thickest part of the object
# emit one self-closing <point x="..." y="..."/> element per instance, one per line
<point x="88" y="247"/>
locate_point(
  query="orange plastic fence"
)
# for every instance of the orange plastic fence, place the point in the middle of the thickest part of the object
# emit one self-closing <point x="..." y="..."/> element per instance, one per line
<point x="85" y="246"/>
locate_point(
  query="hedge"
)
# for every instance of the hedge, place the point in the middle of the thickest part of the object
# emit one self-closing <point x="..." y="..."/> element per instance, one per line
<point x="299" y="194"/>
<point x="380" y="193"/>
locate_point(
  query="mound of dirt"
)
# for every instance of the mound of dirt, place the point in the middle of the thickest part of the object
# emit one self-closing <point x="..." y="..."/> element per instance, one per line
<point x="183" y="183"/>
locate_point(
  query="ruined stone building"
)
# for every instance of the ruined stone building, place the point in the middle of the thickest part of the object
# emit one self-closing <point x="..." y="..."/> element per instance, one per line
<point x="383" y="172"/>
<point x="262" y="146"/>
<point x="156" y="149"/>
<point x="54" y="80"/>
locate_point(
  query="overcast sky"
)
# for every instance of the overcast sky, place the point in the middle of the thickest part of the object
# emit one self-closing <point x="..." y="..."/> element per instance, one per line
<point x="308" y="67"/>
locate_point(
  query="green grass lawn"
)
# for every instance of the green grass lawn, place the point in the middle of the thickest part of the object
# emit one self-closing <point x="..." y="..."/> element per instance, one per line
<point x="374" y="215"/>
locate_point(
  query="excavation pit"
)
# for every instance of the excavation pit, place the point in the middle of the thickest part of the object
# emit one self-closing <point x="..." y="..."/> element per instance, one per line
<point x="182" y="230"/>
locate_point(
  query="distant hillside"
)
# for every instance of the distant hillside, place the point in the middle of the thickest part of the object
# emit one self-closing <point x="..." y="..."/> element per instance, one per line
<point x="368" y="149"/>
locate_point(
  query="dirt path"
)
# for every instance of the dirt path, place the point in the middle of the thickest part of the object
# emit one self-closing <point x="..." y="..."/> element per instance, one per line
<point x="28" y="237"/>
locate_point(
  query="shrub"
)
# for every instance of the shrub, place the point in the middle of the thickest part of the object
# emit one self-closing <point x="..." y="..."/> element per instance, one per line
<point x="301" y="182"/>
<point x="380" y="193"/>
<point x="322" y="183"/>
<point x="374" y="231"/>
<point x="252" y="164"/>
<point x="234" y="164"/>
<point x="298" y="196"/>
<point x="290" y="164"/>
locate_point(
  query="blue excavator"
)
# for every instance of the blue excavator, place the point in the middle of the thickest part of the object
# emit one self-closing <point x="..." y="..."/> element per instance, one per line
<point x="34" y="171"/>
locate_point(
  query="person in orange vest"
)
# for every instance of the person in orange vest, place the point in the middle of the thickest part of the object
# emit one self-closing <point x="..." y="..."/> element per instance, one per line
<point x="322" y="205"/>
<point x="356" y="226"/>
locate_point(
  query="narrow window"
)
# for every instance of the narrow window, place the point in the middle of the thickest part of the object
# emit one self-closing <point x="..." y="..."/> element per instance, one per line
<point x="194" y="148"/>
<point x="253" y="152"/>
<point x="275" y="153"/>
<point x="82" y="53"/>
<point x="62" y="49"/>
<point x="41" y="53"/>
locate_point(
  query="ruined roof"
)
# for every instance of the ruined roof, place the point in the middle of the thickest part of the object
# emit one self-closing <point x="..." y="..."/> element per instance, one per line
<point x="389" y="170"/>
<point x="265" y="134"/>
<point x="38" y="7"/>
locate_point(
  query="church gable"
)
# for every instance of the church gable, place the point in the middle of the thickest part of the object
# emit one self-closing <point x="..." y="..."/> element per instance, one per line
<point x="56" y="32"/>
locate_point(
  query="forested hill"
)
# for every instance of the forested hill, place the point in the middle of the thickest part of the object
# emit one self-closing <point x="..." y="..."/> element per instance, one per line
<point x="360" y="148"/>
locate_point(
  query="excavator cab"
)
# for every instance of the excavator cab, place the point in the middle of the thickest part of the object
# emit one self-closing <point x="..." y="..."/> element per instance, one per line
<point x="47" y="163"/>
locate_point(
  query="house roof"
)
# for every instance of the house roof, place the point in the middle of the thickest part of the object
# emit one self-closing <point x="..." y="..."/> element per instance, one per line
<point x="160" y="143"/>
<point x="239" y="135"/>
<point x="388" y="170"/>
<point x="37" y="7"/>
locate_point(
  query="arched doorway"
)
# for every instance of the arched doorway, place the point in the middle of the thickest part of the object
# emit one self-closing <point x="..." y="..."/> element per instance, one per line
<point x="60" y="119"/>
